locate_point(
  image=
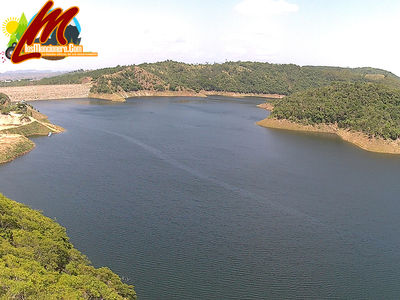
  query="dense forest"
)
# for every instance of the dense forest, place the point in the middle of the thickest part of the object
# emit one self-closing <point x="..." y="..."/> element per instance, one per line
<point x="366" y="107"/>
<point x="37" y="261"/>
<point x="241" y="77"/>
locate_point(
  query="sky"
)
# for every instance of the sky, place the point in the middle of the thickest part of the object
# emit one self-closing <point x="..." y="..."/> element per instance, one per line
<point x="346" y="33"/>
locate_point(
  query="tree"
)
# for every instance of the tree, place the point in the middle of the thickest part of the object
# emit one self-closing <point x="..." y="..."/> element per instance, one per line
<point x="13" y="39"/>
<point x="22" y="26"/>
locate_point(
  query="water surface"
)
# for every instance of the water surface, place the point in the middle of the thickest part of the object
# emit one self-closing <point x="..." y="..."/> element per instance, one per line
<point x="188" y="199"/>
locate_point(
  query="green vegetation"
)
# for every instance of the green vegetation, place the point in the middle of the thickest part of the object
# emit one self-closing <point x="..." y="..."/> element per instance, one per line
<point x="240" y="77"/>
<point x="22" y="25"/>
<point x="23" y="146"/>
<point x="31" y="129"/>
<point x="4" y="99"/>
<point x="37" y="261"/>
<point x="19" y="108"/>
<point x="12" y="147"/>
<point x="23" y="108"/>
<point x="366" y="107"/>
<point x="6" y="106"/>
<point x="77" y="77"/>
<point x="26" y="111"/>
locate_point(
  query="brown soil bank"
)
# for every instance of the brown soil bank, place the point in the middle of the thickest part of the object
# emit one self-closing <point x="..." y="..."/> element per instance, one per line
<point x="359" y="139"/>
<point x="122" y="96"/>
<point x="34" y="128"/>
<point x="13" y="146"/>
<point x="14" y="141"/>
<point x="70" y="91"/>
<point x="267" y="106"/>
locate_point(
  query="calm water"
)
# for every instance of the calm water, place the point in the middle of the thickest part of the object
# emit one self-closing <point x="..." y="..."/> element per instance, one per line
<point x="189" y="199"/>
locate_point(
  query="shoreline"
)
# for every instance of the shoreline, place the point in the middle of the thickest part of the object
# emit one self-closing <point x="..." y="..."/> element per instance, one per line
<point x="14" y="146"/>
<point x="13" y="136"/>
<point x="14" y="141"/>
<point x="43" y="252"/>
<point x="74" y="91"/>
<point x="122" y="96"/>
<point x="359" y="139"/>
<point x="267" y="106"/>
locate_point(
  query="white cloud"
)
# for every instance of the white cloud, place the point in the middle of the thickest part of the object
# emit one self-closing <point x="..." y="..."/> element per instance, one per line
<point x="259" y="8"/>
<point x="252" y="40"/>
<point x="363" y="42"/>
<point x="260" y="32"/>
<point x="129" y="35"/>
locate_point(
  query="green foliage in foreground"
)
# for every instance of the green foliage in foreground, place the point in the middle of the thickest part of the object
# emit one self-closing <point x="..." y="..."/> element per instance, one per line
<point x="370" y="108"/>
<point x="37" y="261"/>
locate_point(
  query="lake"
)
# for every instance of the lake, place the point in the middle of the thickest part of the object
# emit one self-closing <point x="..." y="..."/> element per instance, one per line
<point x="188" y="199"/>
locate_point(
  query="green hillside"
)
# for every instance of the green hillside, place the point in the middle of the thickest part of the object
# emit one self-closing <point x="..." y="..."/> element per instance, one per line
<point x="366" y="107"/>
<point x="37" y="261"/>
<point x="242" y="77"/>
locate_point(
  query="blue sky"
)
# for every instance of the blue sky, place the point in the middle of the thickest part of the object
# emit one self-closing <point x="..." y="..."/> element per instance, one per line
<point x="350" y="33"/>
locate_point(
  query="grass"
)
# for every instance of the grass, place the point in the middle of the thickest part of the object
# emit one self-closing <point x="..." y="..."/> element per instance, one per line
<point x="32" y="129"/>
<point x="13" y="147"/>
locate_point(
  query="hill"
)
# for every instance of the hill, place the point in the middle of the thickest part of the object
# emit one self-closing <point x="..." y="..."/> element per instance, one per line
<point x="37" y="261"/>
<point x="368" y="108"/>
<point x="236" y="77"/>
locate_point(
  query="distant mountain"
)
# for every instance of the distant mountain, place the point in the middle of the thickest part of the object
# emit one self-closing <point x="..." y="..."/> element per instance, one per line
<point x="28" y="74"/>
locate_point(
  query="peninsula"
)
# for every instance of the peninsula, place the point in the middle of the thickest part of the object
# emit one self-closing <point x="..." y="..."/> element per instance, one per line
<point x="18" y="121"/>
<point x="364" y="114"/>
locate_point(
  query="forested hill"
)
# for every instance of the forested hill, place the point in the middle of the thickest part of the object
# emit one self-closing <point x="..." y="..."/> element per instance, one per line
<point x="37" y="261"/>
<point x="371" y="108"/>
<point x="240" y="77"/>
